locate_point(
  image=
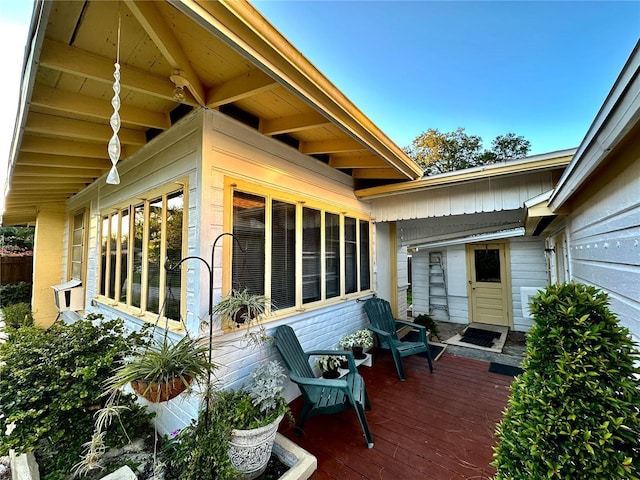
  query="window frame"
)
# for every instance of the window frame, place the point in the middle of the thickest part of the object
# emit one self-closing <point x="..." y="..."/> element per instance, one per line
<point x="84" y="213"/>
<point x="115" y="299"/>
<point x="273" y="195"/>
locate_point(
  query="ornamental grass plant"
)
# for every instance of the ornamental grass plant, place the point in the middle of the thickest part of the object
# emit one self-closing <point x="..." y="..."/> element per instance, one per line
<point x="574" y="412"/>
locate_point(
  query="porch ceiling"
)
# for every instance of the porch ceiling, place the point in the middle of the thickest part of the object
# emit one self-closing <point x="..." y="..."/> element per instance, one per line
<point x="229" y="57"/>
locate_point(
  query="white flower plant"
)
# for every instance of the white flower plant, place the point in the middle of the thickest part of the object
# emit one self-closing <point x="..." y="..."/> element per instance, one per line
<point x="327" y="363"/>
<point x="360" y="338"/>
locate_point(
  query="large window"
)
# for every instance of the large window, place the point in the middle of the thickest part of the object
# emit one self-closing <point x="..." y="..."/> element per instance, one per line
<point x="136" y="242"/>
<point x="295" y="253"/>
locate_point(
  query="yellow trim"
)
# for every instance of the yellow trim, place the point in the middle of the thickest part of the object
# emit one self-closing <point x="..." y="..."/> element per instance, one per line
<point x="230" y="186"/>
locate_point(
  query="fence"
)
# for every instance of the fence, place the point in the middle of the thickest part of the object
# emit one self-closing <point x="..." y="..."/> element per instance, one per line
<point x="15" y="269"/>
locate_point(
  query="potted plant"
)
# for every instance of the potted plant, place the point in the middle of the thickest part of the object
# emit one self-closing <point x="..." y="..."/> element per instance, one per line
<point x="234" y="437"/>
<point x="329" y="365"/>
<point x="427" y="321"/>
<point x="164" y="369"/>
<point x="357" y="342"/>
<point x="242" y="307"/>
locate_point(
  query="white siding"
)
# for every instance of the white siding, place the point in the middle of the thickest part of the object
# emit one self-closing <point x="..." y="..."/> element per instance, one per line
<point x="492" y="194"/>
<point x="604" y="244"/>
<point x="528" y="271"/>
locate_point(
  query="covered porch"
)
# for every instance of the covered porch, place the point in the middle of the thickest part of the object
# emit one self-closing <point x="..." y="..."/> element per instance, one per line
<point x="433" y="426"/>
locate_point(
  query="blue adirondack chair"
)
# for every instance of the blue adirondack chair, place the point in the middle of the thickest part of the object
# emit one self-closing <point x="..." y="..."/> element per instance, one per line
<point x="385" y="326"/>
<point x="320" y="395"/>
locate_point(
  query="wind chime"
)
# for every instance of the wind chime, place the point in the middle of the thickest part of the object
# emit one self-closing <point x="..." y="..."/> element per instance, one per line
<point x="114" y="144"/>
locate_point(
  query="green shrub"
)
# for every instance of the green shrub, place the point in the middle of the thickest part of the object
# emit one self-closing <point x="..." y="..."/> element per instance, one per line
<point x="18" y="315"/>
<point x="15" y="293"/>
<point x="426" y="320"/>
<point x="573" y="413"/>
<point x="51" y="384"/>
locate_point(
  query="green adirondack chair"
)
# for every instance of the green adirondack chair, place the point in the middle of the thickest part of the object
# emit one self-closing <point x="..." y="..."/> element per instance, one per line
<point x="385" y="326"/>
<point x="320" y="395"/>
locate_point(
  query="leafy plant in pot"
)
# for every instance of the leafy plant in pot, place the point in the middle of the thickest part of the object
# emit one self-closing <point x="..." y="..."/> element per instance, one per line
<point x="357" y="342"/>
<point x="329" y="365"/>
<point x="242" y="307"/>
<point x="164" y="369"/>
<point x="234" y="437"/>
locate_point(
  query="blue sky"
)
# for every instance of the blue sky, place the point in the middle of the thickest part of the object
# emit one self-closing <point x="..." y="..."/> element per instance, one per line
<point x="538" y="69"/>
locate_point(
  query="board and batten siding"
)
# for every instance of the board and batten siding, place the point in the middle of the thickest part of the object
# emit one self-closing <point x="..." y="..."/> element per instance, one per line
<point x="488" y="195"/>
<point x="603" y="233"/>
<point x="528" y="275"/>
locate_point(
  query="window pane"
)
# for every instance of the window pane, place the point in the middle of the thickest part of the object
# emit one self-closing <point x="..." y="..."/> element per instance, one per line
<point x="332" y="252"/>
<point x="487" y="265"/>
<point x="175" y="209"/>
<point x="113" y="252"/>
<point x="365" y="275"/>
<point x="124" y="254"/>
<point x="153" y="252"/>
<point x="310" y="255"/>
<point x="283" y="255"/>
<point x="104" y="244"/>
<point x="249" y="256"/>
<point x="138" y="232"/>
<point x="350" y="261"/>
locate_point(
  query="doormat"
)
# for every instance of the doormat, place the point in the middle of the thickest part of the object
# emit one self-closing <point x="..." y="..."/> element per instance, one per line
<point x="503" y="369"/>
<point x="480" y="337"/>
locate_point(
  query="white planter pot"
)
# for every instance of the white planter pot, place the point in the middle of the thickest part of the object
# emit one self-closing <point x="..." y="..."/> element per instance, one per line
<point x="250" y="450"/>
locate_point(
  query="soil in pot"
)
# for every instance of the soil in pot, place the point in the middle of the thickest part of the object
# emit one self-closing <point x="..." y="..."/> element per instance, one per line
<point x="331" y="374"/>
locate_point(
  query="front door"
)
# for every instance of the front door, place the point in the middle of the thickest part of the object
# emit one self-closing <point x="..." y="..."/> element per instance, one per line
<point x="489" y="283"/>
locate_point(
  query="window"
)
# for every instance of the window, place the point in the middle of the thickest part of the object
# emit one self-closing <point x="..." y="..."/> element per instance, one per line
<point x="136" y="242"/>
<point x="298" y="253"/>
<point x="77" y="245"/>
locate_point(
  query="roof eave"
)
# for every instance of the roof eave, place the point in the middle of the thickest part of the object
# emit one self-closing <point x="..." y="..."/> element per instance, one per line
<point x="618" y="115"/>
<point x="244" y="29"/>
<point x="547" y="161"/>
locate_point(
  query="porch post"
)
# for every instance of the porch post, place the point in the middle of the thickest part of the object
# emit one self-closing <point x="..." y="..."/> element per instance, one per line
<point x="393" y="267"/>
<point x="47" y="262"/>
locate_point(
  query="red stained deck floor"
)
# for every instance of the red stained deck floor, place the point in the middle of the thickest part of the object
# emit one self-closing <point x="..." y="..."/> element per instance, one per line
<point x="436" y="425"/>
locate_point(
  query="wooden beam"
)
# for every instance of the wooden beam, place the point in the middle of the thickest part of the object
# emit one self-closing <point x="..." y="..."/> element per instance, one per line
<point x="63" y="101"/>
<point x="243" y="86"/>
<point x="164" y="38"/>
<point x="63" y="161"/>
<point x="331" y="146"/>
<point x="58" y="146"/>
<point x="294" y="123"/>
<point x="378" y="174"/>
<point x="80" y="129"/>
<point x="28" y="171"/>
<point x="27" y="184"/>
<point x="357" y="161"/>
<point x="60" y="57"/>
<point x="21" y="182"/>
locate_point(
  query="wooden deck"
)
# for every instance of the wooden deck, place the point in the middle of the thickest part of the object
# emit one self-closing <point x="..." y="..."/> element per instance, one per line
<point x="436" y="425"/>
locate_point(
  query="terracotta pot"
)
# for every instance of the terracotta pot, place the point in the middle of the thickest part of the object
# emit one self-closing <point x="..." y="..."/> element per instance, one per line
<point x="160" y="392"/>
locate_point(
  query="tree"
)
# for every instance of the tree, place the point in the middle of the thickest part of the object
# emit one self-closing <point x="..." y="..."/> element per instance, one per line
<point x="438" y="152"/>
<point x="510" y="146"/>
